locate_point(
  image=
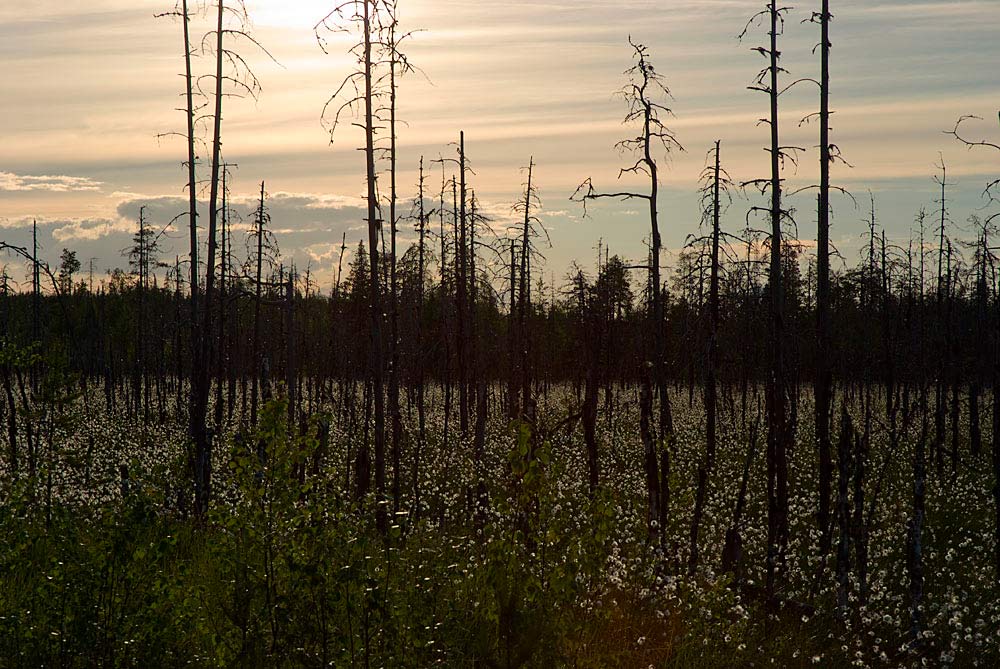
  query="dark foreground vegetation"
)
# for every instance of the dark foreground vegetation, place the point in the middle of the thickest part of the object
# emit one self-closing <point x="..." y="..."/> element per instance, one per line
<point x="104" y="564"/>
<point x="748" y="459"/>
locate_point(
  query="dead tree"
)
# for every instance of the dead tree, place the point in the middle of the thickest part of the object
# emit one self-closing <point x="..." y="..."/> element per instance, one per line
<point x="36" y="302"/>
<point x="365" y="16"/>
<point x="530" y="228"/>
<point x="599" y="305"/>
<point x="139" y="258"/>
<point x="142" y="256"/>
<point x="6" y="371"/>
<point x="462" y="287"/>
<point x="592" y="331"/>
<point x="513" y="387"/>
<point x="223" y="361"/>
<point x="190" y="111"/>
<point x="263" y="249"/>
<point x="239" y="81"/>
<point x="233" y="295"/>
<point x="776" y="395"/>
<point x="995" y="379"/>
<point x="914" y="553"/>
<point x="478" y="371"/>
<point x="732" y="550"/>
<point x="446" y="314"/>
<point x="716" y="184"/>
<point x="178" y="334"/>
<point x="398" y="65"/>
<point x="823" y="380"/>
<point x="845" y="459"/>
<point x="991" y="196"/>
<point x="423" y="219"/>
<point x="201" y="379"/>
<point x="981" y="331"/>
<point x="396" y="420"/>
<point x="646" y="84"/>
<point x="941" y="303"/>
<point x="32" y="364"/>
<point x="291" y="353"/>
<point x="460" y="270"/>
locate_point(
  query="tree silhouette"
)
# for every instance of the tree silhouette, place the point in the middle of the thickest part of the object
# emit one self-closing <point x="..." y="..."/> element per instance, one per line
<point x="645" y="85"/>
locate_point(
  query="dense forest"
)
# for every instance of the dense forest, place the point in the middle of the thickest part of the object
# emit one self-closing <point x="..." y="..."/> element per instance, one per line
<point x="763" y="454"/>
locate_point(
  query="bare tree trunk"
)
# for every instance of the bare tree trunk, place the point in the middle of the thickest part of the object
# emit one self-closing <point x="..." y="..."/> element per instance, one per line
<point x="824" y="335"/>
<point x="943" y="361"/>
<point x="524" y="302"/>
<point x="375" y="302"/>
<point x="291" y="355"/>
<point x="178" y="353"/>
<point x="362" y="464"/>
<point x="446" y="327"/>
<point x="258" y="287"/>
<point x="232" y="357"/>
<point x="711" y="395"/>
<point x="732" y="551"/>
<point x="666" y="427"/>
<point x="777" y="436"/>
<point x="394" y="412"/>
<point x="222" y="355"/>
<point x="591" y="328"/>
<point x="996" y="440"/>
<point x="953" y="362"/>
<point x="649" y="459"/>
<point x="861" y="452"/>
<point x="192" y="178"/>
<point x="479" y="376"/>
<point x="914" y="554"/>
<point x="202" y="372"/>
<point x="590" y="425"/>
<point x="513" y="387"/>
<point x="140" y="344"/>
<point x="36" y="303"/>
<point x="421" y="371"/>
<point x="11" y="419"/>
<point x="844" y="466"/>
<point x="461" y="290"/>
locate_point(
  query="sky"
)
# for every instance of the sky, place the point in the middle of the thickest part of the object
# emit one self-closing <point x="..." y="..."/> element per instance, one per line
<point x="91" y="92"/>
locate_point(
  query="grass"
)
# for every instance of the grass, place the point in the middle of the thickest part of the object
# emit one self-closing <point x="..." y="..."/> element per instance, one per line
<point x="290" y="575"/>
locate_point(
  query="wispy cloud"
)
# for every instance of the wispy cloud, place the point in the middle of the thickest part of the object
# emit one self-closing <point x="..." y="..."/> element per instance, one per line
<point x="53" y="183"/>
<point x="87" y="229"/>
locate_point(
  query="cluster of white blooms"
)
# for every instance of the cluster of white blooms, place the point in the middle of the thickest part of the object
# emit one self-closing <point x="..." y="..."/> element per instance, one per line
<point x="598" y="547"/>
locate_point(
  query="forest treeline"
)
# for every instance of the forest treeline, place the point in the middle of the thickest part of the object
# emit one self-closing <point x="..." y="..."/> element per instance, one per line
<point x="127" y="336"/>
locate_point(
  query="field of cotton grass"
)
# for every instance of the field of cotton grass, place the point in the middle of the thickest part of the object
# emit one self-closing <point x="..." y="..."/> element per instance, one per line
<point x="103" y="564"/>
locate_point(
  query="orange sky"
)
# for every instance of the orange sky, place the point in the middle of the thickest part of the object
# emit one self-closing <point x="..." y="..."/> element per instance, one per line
<point x="89" y="86"/>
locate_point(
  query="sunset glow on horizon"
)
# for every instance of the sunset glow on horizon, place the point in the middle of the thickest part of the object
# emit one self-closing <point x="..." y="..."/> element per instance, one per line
<point x="91" y="92"/>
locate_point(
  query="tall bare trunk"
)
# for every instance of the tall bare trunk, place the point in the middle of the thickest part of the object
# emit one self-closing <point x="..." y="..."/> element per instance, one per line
<point x="202" y="371"/>
<point x="524" y="302"/>
<point x="777" y="465"/>
<point x="258" y="287"/>
<point x="844" y="466"/>
<point x="711" y="398"/>
<point x="824" y="336"/>
<point x="375" y="301"/>
<point x="461" y="284"/>
<point x="394" y="371"/>
<point x="421" y="414"/>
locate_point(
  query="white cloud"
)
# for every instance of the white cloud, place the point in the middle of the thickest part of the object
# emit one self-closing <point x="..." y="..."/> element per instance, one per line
<point x="88" y="229"/>
<point x="52" y="183"/>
